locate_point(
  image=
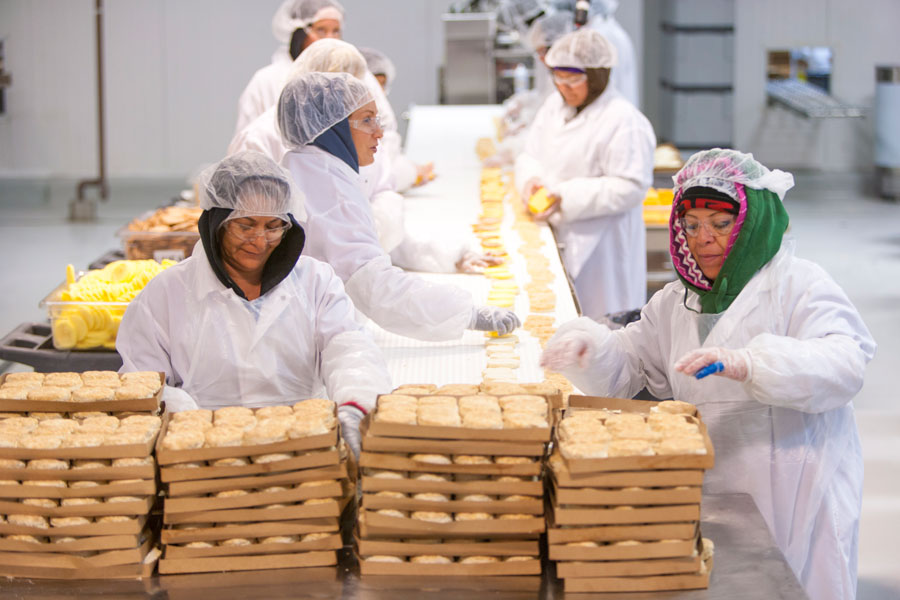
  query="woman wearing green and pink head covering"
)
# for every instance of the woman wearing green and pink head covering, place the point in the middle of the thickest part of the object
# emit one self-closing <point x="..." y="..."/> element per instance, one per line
<point x="792" y="351"/>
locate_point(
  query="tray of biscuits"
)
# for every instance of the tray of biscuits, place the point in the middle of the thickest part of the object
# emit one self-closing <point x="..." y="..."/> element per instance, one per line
<point x="168" y="232"/>
<point x="76" y="493"/>
<point x="624" y="489"/>
<point x="250" y="489"/>
<point x="90" y="391"/>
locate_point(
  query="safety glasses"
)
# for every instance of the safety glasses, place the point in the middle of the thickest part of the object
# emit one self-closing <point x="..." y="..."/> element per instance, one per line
<point x="367" y="125"/>
<point x="717" y="227"/>
<point x="568" y="78"/>
<point x="250" y="233"/>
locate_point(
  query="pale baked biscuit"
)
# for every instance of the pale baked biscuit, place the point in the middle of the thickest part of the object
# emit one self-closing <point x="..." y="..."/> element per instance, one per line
<point x="52" y="464"/>
<point x="93" y="394"/>
<point x="25" y="538"/>
<point x="79" y="485"/>
<point x="317" y="483"/>
<point x="114" y="519"/>
<point x="127" y="437"/>
<point x="437" y="401"/>
<point x="236" y="542"/>
<point x="482" y="420"/>
<point x="379" y="474"/>
<point x="69" y="521"/>
<point x="617" y="421"/>
<point x="146" y="421"/>
<point x="470" y="459"/>
<point x="268" y="431"/>
<point x="438" y="418"/>
<point x="458" y="389"/>
<point x="243" y="422"/>
<point x="637" y="432"/>
<point x="198" y="545"/>
<point x="523" y="403"/>
<point x="9" y="482"/>
<point x="41" y="442"/>
<point x="49" y="394"/>
<point x="629" y="448"/>
<point x="495" y="374"/>
<point x="202" y="414"/>
<point x="390" y="512"/>
<point x="681" y="445"/>
<point x="515" y="517"/>
<point x="431" y="497"/>
<point x="89" y="463"/>
<point x="519" y="558"/>
<point x="19" y="424"/>
<point x="45" y="416"/>
<point x="384" y="558"/>
<point x="11" y="463"/>
<point x="478" y="402"/>
<point x="431" y="559"/>
<point x="86" y="414"/>
<point x="416" y="391"/>
<point x="36" y="521"/>
<point x="429" y="387"/>
<point x="584" y="544"/>
<point x="222" y="436"/>
<point x="267" y="412"/>
<point x="232" y="411"/>
<point x="579" y="449"/>
<point x="496" y="362"/>
<point x="303" y="427"/>
<point x="317" y="501"/>
<point x="473" y="516"/>
<point x="319" y="535"/>
<point x="40" y="502"/>
<point x="476" y="560"/>
<point x="280" y="539"/>
<point x="83" y="440"/>
<point x="106" y="424"/>
<point x="56" y="427"/>
<point x="432" y="477"/>
<point x="183" y="440"/>
<point x="387" y="400"/>
<point x="101" y="376"/>
<point x="79" y="501"/>
<point x="28" y="376"/>
<point x="231" y="462"/>
<point x="502" y="388"/>
<point x="10" y="440"/>
<point x="67" y="380"/>
<point x="314" y="404"/>
<point x="389" y="494"/>
<point x="674" y="407"/>
<point x="14" y="393"/>
<point x="432" y="516"/>
<point x="435" y="459"/>
<point x="231" y="493"/>
<point x="476" y="498"/>
<point x="189" y="425"/>
<point x="120" y="499"/>
<point x="397" y="416"/>
<point x="541" y="388"/>
<point x="513" y="460"/>
<point x="270" y="458"/>
<point x="523" y="420"/>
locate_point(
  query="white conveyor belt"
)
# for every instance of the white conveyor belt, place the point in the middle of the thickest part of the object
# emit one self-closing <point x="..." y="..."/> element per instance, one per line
<point x="447" y="136"/>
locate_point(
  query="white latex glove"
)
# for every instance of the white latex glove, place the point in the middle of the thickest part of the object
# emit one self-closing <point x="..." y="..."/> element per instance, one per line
<point x="473" y="262"/>
<point x="494" y="318"/>
<point x="736" y="363"/>
<point x="570" y="349"/>
<point x="531" y="186"/>
<point x="177" y="399"/>
<point x="350" y="416"/>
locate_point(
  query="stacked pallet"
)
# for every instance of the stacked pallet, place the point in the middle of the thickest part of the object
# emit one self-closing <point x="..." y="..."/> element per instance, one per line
<point x="625" y="490"/>
<point x="451" y="483"/>
<point x="253" y="489"/>
<point x="77" y="484"/>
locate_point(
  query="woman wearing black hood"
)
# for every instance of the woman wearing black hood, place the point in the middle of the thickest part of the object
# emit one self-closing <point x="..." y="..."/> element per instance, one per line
<point x="246" y="320"/>
<point x="592" y="153"/>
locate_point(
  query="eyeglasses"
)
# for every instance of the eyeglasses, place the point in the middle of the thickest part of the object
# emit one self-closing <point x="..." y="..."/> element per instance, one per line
<point x="718" y="227"/>
<point x="250" y="233"/>
<point x="568" y="78"/>
<point x="367" y="125"/>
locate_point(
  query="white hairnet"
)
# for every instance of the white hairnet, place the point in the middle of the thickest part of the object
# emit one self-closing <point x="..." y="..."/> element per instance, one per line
<point x="607" y="8"/>
<point x="312" y="103"/>
<point x="721" y="168"/>
<point x="582" y="49"/>
<point x="251" y="185"/>
<point x="379" y="64"/>
<point x="329" y="55"/>
<point x="297" y="14"/>
<point x="549" y="28"/>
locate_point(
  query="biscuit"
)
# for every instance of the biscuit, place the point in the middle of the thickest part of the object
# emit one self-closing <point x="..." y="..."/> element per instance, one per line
<point x="523" y="420"/>
<point x="56" y="427"/>
<point x="437" y="401"/>
<point x="84" y="484"/>
<point x="391" y="415"/>
<point x="28" y="376"/>
<point x="224" y="435"/>
<point x="523" y="402"/>
<point x="8" y="440"/>
<point x="230" y="462"/>
<point x="44" y="416"/>
<point x="135" y="391"/>
<point x="317" y="483"/>
<point x="579" y="449"/>
<point x="433" y="418"/>
<point x="25" y="538"/>
<point x="416" y="391"/>
<point x="268" y="431"/>
<point x="302" y="427"/>
<point x="243" y="422"/>
<point x="469" y="459"/>
<point x="429" y="387"/>
<point x="48" y="464"/>
<point x="431" y="477"/>
<point x="41" y="442"/>
<point x="49" y="394"/>
<point x="28" y="521"/>
<point x="383" y="558"/>
<point x="198" y="545"/>
<point x="8" y="482"/>
<point x="387" y="400"/>
<point x="435" y="459"/>
<point x="127" y="437"/>
<point x="494" y="374"/>
<point x="104" y="376"/>
<point x="629" y="448"/>
<point x="475" y="560"/>
<point x="79" y="501"/>
<point x="232" y="411"/>
<point x="681" y="445"/>
<point x="458" y="389"/>
<point x="149" y="379"/>
<point x="183" y="440"/>
<point x="317" y="501"/>
<point x="11" y="463"/>
<point x="674" y="407"/>
<point x="476" y="498"/>
<point x="280" y="539"/>
<point x="267" y="412"/>
<point x="189" y="425"/>
<point x="14" y="393"/>
<point x="519" y="558"/>
<point x="513" y="460"/>
<point x="236" y="542"/>
<point x="231" y="493"/>
<point x="63" y="379"/>
<point x="636" y="432"/>
<point x="431" y="559"/>
<point x="114" y="519"/>
<point x="390" y="512"/>
<point x="199" y="413"/>
<point x="482" y="420"/>
<point x="145" y="421"/>
<point x="515" y="517"/>
<point x="389" y="494"/>
<point x="473" y="516"/>
<point x="431" y="497"/>
<point x="120" y="499"/>
<point x="432" y="516"/>
<point x="93" y="394"/>
<point x="88" y="464"/>
<point x="615" y="422"/>
<point x="496" y="388"/>
<point x="270" y="458"/>
<point x="83" y="440"/>
<point x="104" y="424"/>
<point x="69" y="521"/>
<point x="82" y="415"/>
<point x="314" y="404"/>
<point x="40" y="502"/>
<point x="311" y="537"/>
<point x="378" y="474"/>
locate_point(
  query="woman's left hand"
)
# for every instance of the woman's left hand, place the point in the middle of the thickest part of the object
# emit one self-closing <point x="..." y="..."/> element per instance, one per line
<point x="472" y="262"/>
<point x="736" y="363"/>
<point x="543" y="216"/>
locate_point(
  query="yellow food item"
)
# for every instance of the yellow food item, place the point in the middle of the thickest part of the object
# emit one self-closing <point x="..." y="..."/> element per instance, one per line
<point x="540" y="201"/>
<point x="87" y="326"/>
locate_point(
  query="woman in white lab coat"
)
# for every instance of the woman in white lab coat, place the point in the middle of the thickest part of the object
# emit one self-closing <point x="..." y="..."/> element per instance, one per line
<point x="246" y="320"/>
<point x="330" y="122"/>
<point x="593" y="152"/>
<point x="792" y="351"/>
<point x="296" y="25"/>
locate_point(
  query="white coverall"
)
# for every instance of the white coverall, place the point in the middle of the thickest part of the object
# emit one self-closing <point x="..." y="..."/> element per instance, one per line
<point x="263" y="89"/>
<point x="340" y="230"/>
<point x="788" y="436"/>
<point x="304" y="341"/>
<point x="600" y="163"/>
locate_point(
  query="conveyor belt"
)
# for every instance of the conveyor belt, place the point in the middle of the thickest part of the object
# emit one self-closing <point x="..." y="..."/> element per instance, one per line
<point x="809" y="100"/>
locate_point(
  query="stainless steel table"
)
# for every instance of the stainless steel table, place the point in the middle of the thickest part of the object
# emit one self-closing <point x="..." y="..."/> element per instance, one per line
<point x="748" y="566"/>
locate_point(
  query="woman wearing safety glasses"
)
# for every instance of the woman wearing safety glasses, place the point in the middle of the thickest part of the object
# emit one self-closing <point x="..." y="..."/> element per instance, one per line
<point x="246" y="320"/>
<point x="592" y="153"/>
<point x="787" y="347"/>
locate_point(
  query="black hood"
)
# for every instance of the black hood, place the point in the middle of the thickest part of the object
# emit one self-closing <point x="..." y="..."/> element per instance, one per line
<point x="279" y="265"/>
<point x="598" y="79"/>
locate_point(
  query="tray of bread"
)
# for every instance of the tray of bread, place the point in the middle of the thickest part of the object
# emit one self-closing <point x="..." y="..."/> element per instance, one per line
<point x="91" y="391"/>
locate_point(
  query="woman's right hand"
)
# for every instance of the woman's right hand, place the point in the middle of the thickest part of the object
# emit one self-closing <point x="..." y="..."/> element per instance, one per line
<point x="531" y="186"/>
<point x="568" y="350"/>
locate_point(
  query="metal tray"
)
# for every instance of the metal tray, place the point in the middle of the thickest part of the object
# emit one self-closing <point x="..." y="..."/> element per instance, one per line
<point x="32" y="344"/>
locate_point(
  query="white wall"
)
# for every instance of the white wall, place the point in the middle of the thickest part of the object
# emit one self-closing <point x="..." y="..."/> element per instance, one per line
<point x="174" y="70"/>
<point x="862" y="34"/>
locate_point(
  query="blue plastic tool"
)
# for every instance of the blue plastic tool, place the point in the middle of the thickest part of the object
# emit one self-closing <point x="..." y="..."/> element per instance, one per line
<point x="710" y="369"/>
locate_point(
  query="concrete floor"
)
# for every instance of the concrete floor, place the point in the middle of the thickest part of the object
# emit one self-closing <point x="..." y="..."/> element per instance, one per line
<point x="854" y="236"/>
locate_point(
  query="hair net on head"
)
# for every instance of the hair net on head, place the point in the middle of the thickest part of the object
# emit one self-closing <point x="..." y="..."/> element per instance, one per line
<point x="283" y="25"/>
<point x="300" y="14"/>
<point x="720" y="169"/>
<point x="314" y="102"/>
<point x="251" y="185"/>
<point x="329" y="56"/>
<point x="550" y="28"/>
<point x="607" y="8"/>
<point x="582" y="49"/>
<point x="379" y="64"/>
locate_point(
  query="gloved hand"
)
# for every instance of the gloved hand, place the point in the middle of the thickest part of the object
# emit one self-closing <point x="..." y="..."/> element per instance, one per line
<point x="736" y="363"/>
<point x="544" y="215"/>
<point x="177" y="399"/>
<point x="569" y="349"/>
<point x="473" y="262"/>
<point x="350" y="416"/>
<point x="531" y="186"/>
<point x="494" y="318"/>
<point x="424" y="173"/>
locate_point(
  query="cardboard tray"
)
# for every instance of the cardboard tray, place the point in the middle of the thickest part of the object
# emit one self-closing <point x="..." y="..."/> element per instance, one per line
<point x="645" y="497"/>
<point x="533" y="434"/>
<point x="211" y="534"/>
<point x="613" y="552"/>
<point x="529" y="567"/>
<point x="112" y="558"/>
<point x="531" y="507"/>
<point x="449" y="548"/>
<point x="371" y="443"/>
<point x="616" y="533"/>
<point x="145" y="487"/>
<point x="209" y="486"/>
<point x="651" y="583"/>
<point x="609" y="479"/>
<point x="195" y="504"/>
<point x="637" y="515"/>
<point x="332" y="542"/>
<point x="632" y="463"/>
<point x="149" y="405"/>
<point x="373" y="525"/>
<point x="397" y="463"/>
<point x="130" y="571"/>
<point x="130" y="527"/>
<point x="627" y="568"/>
<point x="98" y="452"/>
<point x="253" y="515"/>
<point x="248" y="563"/>
<point x="306" y="444"/>
<point x="312" y="460"/>
<point x="487" y="487"/>
<point x="84" y="544"/>
<point x="98" y="474"/>
<point x="137" y="507"/>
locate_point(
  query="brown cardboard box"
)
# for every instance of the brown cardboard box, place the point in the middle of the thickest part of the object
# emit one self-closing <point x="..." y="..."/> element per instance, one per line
<point x="332" y="542"/>
<point x="248" y="563"/>
<point x="613" y="496"/>
<point x="449" y="548"/>
<point x="616" y="533"/>
<point x="528" y="567"/>
<point x="250" y="515"/>
<point x="615" y="551"/>
<point x="459" y="488"/>
<point x="610" y="479"/>
<point x="202" y="503"/>
<point x="209" y="486"/>
<point x="130" y="527"/>
<point x="373" y="525"/>
<point x="311" y="460"/>
<point x="535" y="434"/>
<point x="627" y="568"/>
<point x="147" y="405"/>
<point x="250" y="530"/>
<point x="651" y="583"/>
<point x="498" y="507"/>
<point x="398" y="463"/>
<point x="563" y="515"/>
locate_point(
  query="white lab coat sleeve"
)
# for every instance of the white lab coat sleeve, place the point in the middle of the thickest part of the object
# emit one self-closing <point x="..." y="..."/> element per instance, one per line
<point x="353" y="367"/>
<point x="403" y="170"/>
<point x="143" y="337"/>
<point x="424" y="251"/>
<point x="626" y="162"/>
<point x="818" y="365"/>
<point x="387" y="210"/>
<point x="407" y="304"/>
